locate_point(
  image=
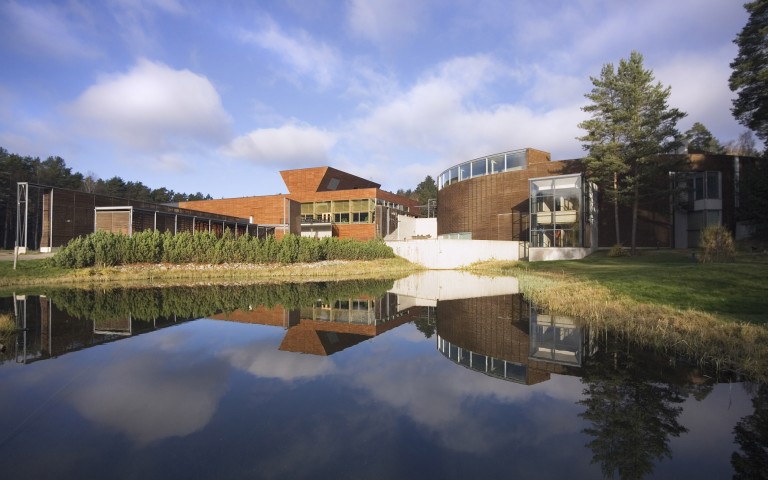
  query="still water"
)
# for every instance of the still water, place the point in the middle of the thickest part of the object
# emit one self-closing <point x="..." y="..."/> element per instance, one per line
<point x="441" y="375"/>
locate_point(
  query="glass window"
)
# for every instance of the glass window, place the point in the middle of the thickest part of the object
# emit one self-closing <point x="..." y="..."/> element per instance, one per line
<point x="322" y="207"/>
<point x="698" y="185"/>
<point x="713" y="185"/>
<point x="341" y="217"/>
<point x="454" y="174"/>
<point x="479" y="168"/>
<point x="464" y="171"/>
<point x="496" y="164"/>
<point x="515" y="160"/>
<point x="306" y="208"/>
<point x="361" y="217"/>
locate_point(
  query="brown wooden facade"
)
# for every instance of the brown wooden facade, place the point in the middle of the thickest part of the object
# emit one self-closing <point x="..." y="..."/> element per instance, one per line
<point x="493" y="207"/>
<point x="496" y="207"/>
<point x="54" y="216"/>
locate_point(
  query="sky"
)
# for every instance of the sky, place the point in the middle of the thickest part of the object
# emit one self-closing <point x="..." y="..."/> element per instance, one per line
<point x="219" y="96"/>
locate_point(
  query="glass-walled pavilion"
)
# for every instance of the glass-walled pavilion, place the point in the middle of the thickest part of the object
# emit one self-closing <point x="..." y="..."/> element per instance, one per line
<point x="560" y="210"/>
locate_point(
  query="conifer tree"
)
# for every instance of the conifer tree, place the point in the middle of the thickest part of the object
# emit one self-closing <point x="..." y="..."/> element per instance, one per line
<point x="630" y="125"/>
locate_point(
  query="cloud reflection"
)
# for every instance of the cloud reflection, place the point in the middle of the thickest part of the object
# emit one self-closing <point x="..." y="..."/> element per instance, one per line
<point x="154" y="396"/>
<point x="263" y="360"/>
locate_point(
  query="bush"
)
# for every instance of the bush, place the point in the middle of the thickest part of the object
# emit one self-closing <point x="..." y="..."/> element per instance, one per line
<point x="109" y="249"/>
<point x="618" y="250"/>
<point x="716" y="243"/>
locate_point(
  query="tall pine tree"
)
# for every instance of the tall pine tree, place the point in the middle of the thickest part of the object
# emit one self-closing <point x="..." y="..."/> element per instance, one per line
<point x="630" y="125"/>
<point x="749" y="78"/>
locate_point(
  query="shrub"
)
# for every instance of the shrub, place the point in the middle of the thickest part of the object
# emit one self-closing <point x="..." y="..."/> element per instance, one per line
<point x="618" y="250"/>
<point x="716" y="243"/>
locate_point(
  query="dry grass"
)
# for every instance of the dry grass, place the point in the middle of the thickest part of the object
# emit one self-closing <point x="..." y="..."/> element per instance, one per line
<point x="169" y="274"/>
<point x="689" y="333"/>
<point x="7" y="323"/>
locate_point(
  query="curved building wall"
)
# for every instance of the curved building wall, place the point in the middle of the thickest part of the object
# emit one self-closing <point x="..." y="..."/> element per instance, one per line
<point x="495" y="206"/>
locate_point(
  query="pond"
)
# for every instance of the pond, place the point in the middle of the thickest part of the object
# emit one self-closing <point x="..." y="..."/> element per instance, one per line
<point x="439" y="375"/>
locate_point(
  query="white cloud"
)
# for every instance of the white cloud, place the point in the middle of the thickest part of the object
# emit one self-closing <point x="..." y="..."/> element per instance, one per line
<point x="291" y="145"/>
<point x="306" y="56"/>
<point x="384" y="21"/>
<point x="42" y="29"/>
<point x="699" y="87"/>
<point x="264" y="361"/>
<point x="153" y="108"/>
<point x="445" y="118"/>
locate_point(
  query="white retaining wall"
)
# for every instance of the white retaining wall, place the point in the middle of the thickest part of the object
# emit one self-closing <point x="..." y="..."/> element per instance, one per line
<point x="444" y="254"/>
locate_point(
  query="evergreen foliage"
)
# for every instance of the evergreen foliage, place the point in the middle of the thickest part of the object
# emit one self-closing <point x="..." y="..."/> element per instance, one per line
<point x="749" y="78"/>
<point x="630" y="125"/>
<point x="105" y="249"/>
<point x="699" y="139"/>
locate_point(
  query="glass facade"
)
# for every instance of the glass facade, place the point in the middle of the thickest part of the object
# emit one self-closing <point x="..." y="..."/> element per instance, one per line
<point x="345" y="211"/>
<point x="339" y="211"/>
<point x="497" y="163"/>
<point x="556" y="212"/>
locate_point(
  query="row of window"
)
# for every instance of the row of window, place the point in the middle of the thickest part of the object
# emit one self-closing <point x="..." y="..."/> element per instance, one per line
<point x="501" y="162"/>
<point x="345" y="211"/>
<point x="356" y="217"/>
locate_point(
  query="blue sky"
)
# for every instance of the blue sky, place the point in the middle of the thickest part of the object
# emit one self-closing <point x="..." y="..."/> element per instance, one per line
<point x="218" y="96"/>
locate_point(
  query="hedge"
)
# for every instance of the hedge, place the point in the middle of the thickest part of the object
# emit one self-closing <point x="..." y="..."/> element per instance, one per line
<point x="110" y="249"/>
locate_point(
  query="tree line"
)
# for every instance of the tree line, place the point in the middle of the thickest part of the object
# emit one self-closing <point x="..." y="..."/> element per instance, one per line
<point x="54" y="172"/>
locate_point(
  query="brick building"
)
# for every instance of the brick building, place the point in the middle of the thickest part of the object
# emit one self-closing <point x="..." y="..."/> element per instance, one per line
<point x="524" y="196"/>
<point x="322" y="201"/>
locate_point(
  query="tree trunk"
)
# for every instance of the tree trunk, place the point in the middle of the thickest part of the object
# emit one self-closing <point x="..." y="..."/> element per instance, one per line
<point x="616" y="206"/>
<point x="635" y="202"/>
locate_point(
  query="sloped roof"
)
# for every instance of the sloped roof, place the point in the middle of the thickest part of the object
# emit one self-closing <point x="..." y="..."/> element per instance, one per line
<point x="323" y="179"/>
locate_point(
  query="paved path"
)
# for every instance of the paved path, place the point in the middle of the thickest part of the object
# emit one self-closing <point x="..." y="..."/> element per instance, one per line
<point x="7" y="255"/>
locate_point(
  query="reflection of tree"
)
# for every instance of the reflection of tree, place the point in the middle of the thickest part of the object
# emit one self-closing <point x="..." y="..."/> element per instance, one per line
<point x="751" y="434"/>
<point x="632" y="415"/>
<point x="198" y="301"/>
<point x="424" y="326"/>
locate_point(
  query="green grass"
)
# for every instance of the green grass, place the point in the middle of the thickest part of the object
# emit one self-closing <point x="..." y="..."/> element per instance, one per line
<point x="733" y="291"/>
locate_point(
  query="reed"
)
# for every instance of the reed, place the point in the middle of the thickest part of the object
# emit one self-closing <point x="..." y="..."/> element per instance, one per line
<point x="7" y="323"/>
<point x="738" y="346"/>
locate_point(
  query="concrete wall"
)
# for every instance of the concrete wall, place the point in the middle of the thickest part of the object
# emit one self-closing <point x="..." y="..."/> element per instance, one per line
<point x="409" y="227"/>
<point x="443" y="254"/>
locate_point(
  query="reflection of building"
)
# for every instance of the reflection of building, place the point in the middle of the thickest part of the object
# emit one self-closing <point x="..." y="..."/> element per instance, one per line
<point x="503" y="337"/>
<point x="47" y="331"/>
<point x="320" y="329"/>
<point x="332" y="203"/>
<point x="324" y="329"/>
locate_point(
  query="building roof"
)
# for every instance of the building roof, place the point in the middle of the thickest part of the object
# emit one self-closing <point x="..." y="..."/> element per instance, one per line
<point x="323" y="179"/>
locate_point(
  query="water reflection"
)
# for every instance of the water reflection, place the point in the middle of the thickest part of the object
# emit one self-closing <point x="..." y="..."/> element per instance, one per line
<point x="343" y="380"/>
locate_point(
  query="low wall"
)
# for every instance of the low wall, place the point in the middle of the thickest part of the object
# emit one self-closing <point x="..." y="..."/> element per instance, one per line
<point x="444" y="254"/>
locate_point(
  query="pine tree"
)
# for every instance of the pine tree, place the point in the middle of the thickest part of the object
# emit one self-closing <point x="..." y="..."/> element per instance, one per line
<point x="749" y="78"/>
<point x="630" y="125"/>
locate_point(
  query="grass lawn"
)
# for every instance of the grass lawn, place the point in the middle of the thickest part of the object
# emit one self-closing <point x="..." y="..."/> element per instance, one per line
<point x="733" y="291"/>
